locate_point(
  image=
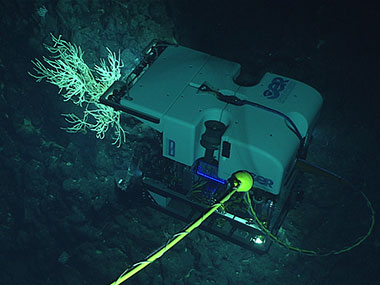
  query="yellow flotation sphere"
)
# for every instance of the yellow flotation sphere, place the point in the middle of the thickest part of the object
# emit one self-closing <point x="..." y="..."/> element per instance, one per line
<point x="243" y="181"/>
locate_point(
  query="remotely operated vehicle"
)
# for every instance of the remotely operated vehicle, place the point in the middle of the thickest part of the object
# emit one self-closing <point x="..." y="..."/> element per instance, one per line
<point x="213" y="127"/>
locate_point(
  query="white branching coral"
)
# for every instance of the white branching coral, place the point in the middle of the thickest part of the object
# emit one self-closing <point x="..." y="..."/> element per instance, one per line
<point x="78" y="84"/>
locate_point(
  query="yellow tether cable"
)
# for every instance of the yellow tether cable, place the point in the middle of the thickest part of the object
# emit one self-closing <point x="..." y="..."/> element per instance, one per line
<point x="175" y="239"/>
<point x="359" y="241"/>
<point x="242" y="182"/>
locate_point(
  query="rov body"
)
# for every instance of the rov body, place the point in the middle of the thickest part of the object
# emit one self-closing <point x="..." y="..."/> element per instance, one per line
<point x="213" y="127"/>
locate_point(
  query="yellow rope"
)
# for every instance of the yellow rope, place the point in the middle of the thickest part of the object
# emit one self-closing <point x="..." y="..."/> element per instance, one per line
<point x="175" y="239"/>
<point x="312" y="252"/>
<point x="181" y="235"/>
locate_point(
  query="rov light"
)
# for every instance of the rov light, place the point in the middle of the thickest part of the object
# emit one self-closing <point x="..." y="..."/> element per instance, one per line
<point x="259" y="239"/>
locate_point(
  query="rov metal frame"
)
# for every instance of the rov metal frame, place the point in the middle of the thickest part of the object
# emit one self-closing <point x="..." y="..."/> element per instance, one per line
<point x="225" y="225"/>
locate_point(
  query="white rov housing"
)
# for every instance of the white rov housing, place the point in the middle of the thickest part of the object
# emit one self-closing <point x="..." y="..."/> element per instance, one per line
<point x="261" y="140"/>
